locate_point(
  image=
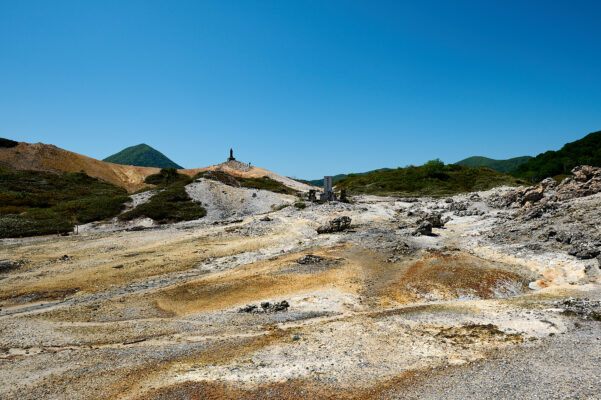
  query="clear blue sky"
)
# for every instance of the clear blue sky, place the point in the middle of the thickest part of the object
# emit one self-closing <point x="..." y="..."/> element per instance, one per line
<point x="303" y="88"/>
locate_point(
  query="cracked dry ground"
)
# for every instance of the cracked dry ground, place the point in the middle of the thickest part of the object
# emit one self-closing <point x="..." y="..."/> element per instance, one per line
<point x="154" y="314"/>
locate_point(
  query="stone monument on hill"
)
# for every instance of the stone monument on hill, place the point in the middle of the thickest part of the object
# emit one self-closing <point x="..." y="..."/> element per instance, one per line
<point x="231" y="157"/>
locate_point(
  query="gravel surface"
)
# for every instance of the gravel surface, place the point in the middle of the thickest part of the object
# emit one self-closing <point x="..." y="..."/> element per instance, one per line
<point x="565" y="366"/>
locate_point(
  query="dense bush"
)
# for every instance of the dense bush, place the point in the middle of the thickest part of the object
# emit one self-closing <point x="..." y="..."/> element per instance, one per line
<point x="38" y="203"/>
<point x="33" y="223"/>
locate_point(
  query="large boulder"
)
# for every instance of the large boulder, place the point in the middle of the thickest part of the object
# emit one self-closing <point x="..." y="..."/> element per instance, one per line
<point x="435" y="219"/>
<point x="336" y="225"/>
<point x="424" y="229"/>
<point x="586" y="181"/>
<point x="584" y="250"/>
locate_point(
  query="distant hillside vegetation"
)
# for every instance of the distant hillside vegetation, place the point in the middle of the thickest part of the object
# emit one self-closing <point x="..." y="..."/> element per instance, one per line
<point x="498" y="165"/>
<point x="38" y="203"/>
<point x="319" y="182"/>
<point x="431" y="179"/>
<point x="553" y="163"/>
<point x="142" y="155"/>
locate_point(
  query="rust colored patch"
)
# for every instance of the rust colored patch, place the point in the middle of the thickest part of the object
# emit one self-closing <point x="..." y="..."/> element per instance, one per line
<point x="289" y="390"/>
<point x="447" y="276"/>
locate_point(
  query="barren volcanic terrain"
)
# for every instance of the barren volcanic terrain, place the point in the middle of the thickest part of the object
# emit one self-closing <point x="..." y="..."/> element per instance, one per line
<point x="483" y="295"/>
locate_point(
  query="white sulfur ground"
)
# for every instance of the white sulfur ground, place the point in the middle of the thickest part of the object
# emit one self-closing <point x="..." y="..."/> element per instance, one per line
<point x="223" y="201"/>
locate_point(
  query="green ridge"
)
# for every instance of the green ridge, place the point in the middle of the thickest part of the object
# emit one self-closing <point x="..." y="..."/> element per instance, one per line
<point x="142" y="155"/>
<point x="498" y="165"/>
<point x="431" y="179"/>
<point x="585" y="151"/>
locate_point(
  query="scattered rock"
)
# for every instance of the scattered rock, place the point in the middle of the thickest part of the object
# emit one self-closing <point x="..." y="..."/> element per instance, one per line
<point x="250" y="308"/>
<point x="9" y="265"/>
<point x="266" y="307"/>
<point x="336" y="225"/>
<point x="310" y="259"/>
<point x="585" y="308"/>
<point x="265" y="219"/>
<point x="584" y="250"/>
<point x="586" y="181"/>
<point x="458" y="206"/>
<point x="566" y="237"/>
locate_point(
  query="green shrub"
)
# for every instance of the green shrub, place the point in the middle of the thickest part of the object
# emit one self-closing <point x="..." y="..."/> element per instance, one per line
<point x="280" y="207"/>
<point x="300" y="205"/>
<point x="169" y="205"/>
<point x="166" y="177"/>
<point x="90" y="209"/>
<point x="34" y="222"/>
<point x="266" y="183"/>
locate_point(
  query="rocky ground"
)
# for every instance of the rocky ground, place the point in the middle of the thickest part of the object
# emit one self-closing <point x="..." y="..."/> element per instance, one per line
<point x="484" y="295"/>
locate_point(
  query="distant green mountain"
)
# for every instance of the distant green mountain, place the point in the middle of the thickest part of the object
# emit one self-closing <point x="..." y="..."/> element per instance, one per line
<point x="586" y="151"/>
<point x="431" y="179"/>
<point x="142" y="155"/>
<point x="319" y="182"/>
<point x="498" y="165"/>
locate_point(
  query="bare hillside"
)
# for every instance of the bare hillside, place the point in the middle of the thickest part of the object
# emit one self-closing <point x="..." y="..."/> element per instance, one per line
<point x="47" y="157"/>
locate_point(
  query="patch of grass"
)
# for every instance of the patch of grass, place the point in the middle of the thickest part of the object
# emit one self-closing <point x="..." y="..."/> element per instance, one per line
<point x="300" y="205"/>
<point x="431" y="179"/>
<point x="167" y="176"/>
<point x="94" y="208"/>
<point x="219" y="176"/>
<point x="169" y="205"/>
<point x="263" y="183"/>
<point x="37" y="203"/>
<point x="266" y="183"/>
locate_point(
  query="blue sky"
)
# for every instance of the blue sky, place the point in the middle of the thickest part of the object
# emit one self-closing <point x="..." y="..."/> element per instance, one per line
<point x="303" y="88"/>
